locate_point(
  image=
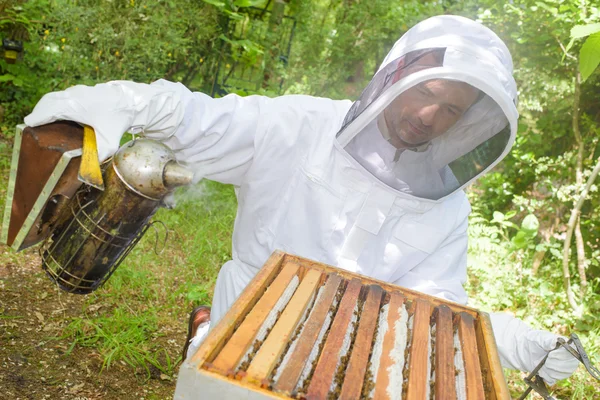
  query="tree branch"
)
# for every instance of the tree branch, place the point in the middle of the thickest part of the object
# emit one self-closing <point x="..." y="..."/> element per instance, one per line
<point x="570" y="227"/>
<point x="565" y="50"/>
<point x="580" y="245"/>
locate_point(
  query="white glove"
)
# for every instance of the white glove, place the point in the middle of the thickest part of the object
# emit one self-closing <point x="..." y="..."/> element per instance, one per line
<point x="112" y="109"/>
<point x="522" y="347"/>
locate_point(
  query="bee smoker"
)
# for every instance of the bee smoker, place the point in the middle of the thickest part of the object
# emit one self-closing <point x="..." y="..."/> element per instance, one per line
<point x="87" y="232"/>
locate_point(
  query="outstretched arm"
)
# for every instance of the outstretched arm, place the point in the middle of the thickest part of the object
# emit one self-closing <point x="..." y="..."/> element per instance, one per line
<point x="215" y="137"/>
<point x="520" y="347"/>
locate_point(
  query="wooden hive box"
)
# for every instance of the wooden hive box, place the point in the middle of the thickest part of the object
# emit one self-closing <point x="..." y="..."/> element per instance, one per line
<point x="303" y="329"/>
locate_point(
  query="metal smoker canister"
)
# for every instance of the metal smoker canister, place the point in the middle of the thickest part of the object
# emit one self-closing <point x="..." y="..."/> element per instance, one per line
<point x="100" y="227"/>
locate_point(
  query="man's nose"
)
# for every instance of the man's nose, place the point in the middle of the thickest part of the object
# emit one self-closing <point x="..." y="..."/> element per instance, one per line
<point x="427" y="114"/>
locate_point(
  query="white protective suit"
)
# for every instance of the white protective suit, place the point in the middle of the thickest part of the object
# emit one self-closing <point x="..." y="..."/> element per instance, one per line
<point x="308" y="187"/>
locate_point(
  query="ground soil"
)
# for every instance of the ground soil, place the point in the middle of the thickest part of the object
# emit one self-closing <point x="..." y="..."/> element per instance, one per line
<point x="35" y="363"/>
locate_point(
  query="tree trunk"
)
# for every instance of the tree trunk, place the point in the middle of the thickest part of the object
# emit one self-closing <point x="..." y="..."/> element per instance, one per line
<point x="272" y="46"/>
<point x="580" y="246"/>
<point x="581" y="261"/>
<point x="570" y="229"/>
<point x="326" y="14"/>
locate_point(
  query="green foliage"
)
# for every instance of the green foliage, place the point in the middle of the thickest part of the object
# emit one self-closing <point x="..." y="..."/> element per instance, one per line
<point x="244" y="50"/>
<point x="87" y="42"/>
<point x="589" y="55"/>
<point x="501" y="279"/>
<point x="503" y="220"/>
<point x="524" y="235"/>
<point x="581" y="31"/>
<point x="539" y="176"/>
<point x="338" y="47"/>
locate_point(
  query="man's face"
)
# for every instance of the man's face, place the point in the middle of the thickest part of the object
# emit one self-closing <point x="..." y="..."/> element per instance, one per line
<point x="427" y="111"/>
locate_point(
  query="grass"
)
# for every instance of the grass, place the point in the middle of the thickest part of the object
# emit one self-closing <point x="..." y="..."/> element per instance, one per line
<point x="118" y="336"/>
<point x="151" y="290"/>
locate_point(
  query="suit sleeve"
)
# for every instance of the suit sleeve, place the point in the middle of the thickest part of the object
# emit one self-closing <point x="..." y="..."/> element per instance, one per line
<point x="216" y="137"/>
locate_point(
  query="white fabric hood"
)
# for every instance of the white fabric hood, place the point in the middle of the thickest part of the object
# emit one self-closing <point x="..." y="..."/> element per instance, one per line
<point x="478" y="140"/>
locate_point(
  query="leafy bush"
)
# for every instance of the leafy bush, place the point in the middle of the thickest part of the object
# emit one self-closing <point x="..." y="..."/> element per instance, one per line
<point x="87" y="42"/>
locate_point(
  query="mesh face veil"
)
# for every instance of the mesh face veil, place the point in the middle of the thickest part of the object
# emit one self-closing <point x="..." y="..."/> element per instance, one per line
<point x="432" y="120"/>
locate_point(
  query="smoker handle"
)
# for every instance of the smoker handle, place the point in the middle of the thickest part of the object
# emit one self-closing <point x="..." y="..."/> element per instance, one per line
<point x="89" y="169"/>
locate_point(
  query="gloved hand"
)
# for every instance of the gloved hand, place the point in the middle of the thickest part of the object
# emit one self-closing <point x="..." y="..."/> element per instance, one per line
<point x="522" y="347"/>
<point x="112" y="109"/>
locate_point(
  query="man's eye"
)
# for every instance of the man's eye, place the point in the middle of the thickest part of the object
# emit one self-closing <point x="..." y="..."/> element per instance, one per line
<point x="452" y="111"/>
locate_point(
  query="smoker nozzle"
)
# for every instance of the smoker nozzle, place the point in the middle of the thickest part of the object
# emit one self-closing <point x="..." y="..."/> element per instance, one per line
<point x="175" y="175"/>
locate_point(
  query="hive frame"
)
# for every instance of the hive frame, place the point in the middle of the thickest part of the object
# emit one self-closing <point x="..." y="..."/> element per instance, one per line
<point x="197" y="380"/>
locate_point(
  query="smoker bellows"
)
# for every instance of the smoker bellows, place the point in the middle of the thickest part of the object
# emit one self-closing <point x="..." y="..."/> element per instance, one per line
<point x="306" y="330"/>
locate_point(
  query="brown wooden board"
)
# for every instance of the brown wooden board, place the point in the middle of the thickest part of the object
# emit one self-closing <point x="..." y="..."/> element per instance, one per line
<point x="242" y="339"/>
<point x="468" y="343"/>
<point x="357" y="366"/>
<point x="291" y="374"/>
<point x="494" y="382"/>
<point x="445" y="379"/>
<point x="387" y="286"/>
<point x="223" y="331"/>
<point x="213" y="385"/>
<point x="417" y="375"/>
<point x="272" y="348"/>
<point x="327" y="364"/>
<point x="386" y="361"/>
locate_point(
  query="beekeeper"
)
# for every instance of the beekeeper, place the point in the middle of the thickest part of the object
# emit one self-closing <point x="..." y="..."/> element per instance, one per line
<point x="373" y="187"/>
